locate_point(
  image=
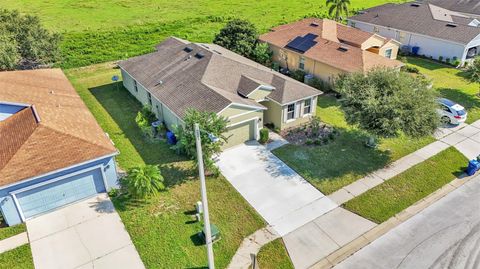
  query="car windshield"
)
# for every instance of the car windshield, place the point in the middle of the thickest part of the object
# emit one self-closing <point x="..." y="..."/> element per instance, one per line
<point x="461" y="112"/>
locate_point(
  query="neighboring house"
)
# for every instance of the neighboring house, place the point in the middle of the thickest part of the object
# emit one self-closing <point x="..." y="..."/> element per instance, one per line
<point x="52" y="151"/>
<point x="180" y="75"/>
<point x="467" y="7"/>
<point x="425" y="29"/>
<point x="325" y="48"/>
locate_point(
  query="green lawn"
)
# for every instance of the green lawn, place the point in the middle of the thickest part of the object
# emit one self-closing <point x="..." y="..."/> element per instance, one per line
<point x="18" y="258"/>
<point x="6" y="232"/>
<point x="104" y="30"/>
<point x="163" y="229"/>
<point x="274" y="256"/>
<point x="393" y="196"/>
<point x="452" y="84"/>
<point x="345" y="160"/>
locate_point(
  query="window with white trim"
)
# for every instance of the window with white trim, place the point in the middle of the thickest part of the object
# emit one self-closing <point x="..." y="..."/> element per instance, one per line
<point x="135" y="85"/>
<point x="301" y="63"/>
<point x="388" y="53"/>
<point x="291" y="112"/>
<point x="307" y="106"/>
<point x="376" y="30"/>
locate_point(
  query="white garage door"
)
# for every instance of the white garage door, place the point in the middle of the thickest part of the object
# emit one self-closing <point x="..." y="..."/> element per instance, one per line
<point x="44" y="198"/>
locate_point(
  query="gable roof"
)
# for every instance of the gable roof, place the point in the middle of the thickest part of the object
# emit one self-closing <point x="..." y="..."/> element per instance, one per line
<point x="207" y="77"/>
<point x="344" y="53"/>
<point x="55" y="130"/>
<point x="421" y="18"/>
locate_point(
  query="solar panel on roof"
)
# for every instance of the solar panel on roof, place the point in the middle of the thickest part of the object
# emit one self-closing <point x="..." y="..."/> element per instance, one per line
<point x="304" y="43"/>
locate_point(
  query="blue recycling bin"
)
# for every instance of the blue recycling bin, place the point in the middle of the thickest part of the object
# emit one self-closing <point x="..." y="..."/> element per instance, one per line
<point x="171" y="139"/>
<point x="415" y="50"/>
<point x="473" y="166"/>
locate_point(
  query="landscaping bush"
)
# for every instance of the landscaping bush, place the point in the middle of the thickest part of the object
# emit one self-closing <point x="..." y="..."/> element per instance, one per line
<point x="298" y="75"/>
<point x="319" y="84"/>
<point x="143" y="181"/>
<point x="263" y="135"/>
<point x="410" y="69"/>
<point x="440" y="58"/>
<point x="144" y="120"/>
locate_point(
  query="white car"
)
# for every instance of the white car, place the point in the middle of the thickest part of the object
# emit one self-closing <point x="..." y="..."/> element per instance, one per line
<point x="451" y="112"/>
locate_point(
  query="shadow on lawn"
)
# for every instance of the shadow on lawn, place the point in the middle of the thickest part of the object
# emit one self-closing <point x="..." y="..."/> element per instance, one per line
<point x="427" y="63"/>
<point x="123" y="108"/>
<point x="467" y="100"/>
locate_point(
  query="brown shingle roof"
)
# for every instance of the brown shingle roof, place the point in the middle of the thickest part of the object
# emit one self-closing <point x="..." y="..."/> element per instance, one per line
<point x="464" y="6"/>
<point x="327" y="51"/>
<point x="209" y="83"/>
<point x="418" y="19"/>
<point x="67" y="133"/>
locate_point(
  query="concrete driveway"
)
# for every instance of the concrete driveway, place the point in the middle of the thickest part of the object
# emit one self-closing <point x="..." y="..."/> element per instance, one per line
<point x="87" y="234"/>
<point x="282" y="197"/>
<point x="445" y="235"/>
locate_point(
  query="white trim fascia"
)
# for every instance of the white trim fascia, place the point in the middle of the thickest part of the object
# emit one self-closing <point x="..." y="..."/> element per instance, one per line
<point x="28" y="188"/>
<point x="243" y="121"/>
<point x="57" y="171"/>
<point x="240" y="105"/>
<point x="146" y="89"/>
<point x="412" y="33"/>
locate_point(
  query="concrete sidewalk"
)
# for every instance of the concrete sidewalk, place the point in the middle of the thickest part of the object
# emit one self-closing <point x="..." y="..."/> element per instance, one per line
<point x="13" y="242"/>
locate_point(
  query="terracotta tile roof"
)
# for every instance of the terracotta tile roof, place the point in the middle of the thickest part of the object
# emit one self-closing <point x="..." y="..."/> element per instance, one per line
<point x="181" y="80"/>
<point x="66" y="133"/>
<point x="327" y="50"/>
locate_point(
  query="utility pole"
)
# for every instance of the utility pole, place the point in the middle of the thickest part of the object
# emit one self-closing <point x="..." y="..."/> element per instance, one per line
<point x="203" y="186"/>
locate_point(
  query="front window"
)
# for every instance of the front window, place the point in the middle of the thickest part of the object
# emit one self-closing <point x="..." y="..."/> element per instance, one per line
<point x="376" y="30"/>
<point x="291" y="112"/>
<point x="401" y="36"/>
<point x="301" y="63"/>
<point x="388" y="53"/>
<point x="135" y="85"/>
<point x="307" y="107"/>
<point x="149" y="98"/>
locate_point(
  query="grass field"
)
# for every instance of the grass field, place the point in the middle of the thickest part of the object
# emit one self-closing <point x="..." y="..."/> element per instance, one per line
<point x="6" y="231"/>
<point x="163" y="229"/>
<point x="18" y="258"/>
<point x="452" y="84"/>
<point x="274" y="256"/>
<point x="346" y="159"/>
<point x="393" y="196"/>
<point x="105" y="30"/>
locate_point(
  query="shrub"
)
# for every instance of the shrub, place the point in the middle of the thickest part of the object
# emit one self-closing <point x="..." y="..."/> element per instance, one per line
<point x="309" y="142"/>
<point x="147" y="131"/>
<point x="318" y="142"/>
<point x="456" y="63"/>
<point x="264" y="135"/>
<point x="298" y="75"/>
<point x="410" y="69"/>
<point x="447" y="60"/>
<point x="440" y="58"/>
<point x="262" y="54"/>
<point x="145" y="117"/>
<point x="143" y="181"/>
<point x="319" y="84"/>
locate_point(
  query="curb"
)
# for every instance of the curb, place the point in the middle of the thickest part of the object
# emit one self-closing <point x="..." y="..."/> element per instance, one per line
<point x="360" y="242"/>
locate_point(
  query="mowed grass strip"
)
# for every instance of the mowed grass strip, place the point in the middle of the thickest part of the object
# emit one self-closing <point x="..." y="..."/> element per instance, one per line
<point x="18" y="258"/>
<point x="274" y="256"/>
<point x="6" y="231"/>
<point x="393" y="196"/>
<point x="163" y="229"/>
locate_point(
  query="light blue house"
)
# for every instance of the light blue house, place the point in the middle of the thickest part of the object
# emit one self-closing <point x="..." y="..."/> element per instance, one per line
<point x="52" y="151"/>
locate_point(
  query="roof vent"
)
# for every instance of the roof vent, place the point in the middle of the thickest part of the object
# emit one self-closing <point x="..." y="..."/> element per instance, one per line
<point x="314" y="24"/>
<point x="452" y="25"/>
<point x="199" y="55"/>
<point x="343" y="49"/>
<point x="415" y="4"/>
<point x="188" y="49"/>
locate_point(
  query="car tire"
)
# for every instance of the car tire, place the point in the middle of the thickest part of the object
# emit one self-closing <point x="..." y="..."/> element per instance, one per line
<point x="445" y="120"/>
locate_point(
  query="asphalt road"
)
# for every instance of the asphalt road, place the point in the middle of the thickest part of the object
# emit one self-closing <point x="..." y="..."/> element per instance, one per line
<point x="444" y="235"/>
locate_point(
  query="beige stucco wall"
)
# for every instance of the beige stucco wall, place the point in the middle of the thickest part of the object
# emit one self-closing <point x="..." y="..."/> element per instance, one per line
<point x="320" y="70"/>
<point x="277" y="114"/>
<point x="373" y="41"/>
<point x="390" y="45"/>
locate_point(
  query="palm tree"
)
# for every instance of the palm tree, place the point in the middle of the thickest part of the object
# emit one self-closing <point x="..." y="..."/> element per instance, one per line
<point x="338" y="8"/>
<point x="142" y="181"/>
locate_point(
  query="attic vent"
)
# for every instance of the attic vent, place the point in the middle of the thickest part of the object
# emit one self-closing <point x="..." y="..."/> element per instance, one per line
<point x="199" y="55"/>
<point x="188" y="49"/>
<point x="314" y="24"/>
<point x="343" y="49"/>
<point x="452" y="25"/>
<point x="415" y="4"/>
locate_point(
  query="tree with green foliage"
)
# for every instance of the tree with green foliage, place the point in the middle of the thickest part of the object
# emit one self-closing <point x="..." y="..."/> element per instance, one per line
<point x="211" y="126"/>
<point x="386" y="102"/>
<point x="337" y="8"/>
<point x="143" y="181"/>
<point x="262" y="54"/>
<point x="24" y="43"/>
<point x="239" y="36"/>
<point x="473" y="72"/>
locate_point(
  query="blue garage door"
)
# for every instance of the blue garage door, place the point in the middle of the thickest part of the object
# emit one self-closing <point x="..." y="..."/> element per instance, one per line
<point x="48" y="197"/>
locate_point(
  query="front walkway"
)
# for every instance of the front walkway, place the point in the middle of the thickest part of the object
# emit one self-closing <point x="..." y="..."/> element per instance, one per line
<point x="282" y="197"/>
<point x="87" y="234"/>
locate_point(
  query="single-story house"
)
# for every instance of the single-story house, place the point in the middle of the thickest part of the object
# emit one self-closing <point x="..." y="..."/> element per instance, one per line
<point x="325" y="48"/>
<point x="425" y="29"/>
<point x="52" y="151"/>
<point x="180" y="75"/>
